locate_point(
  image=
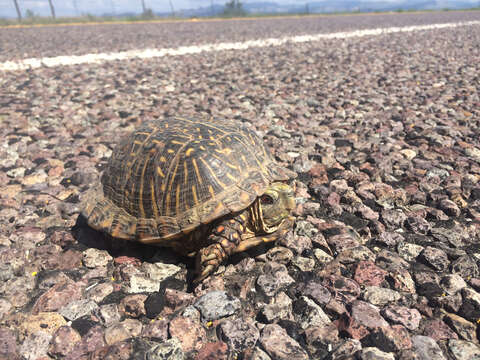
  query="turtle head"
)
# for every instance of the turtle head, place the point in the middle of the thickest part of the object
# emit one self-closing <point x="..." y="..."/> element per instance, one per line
<point x="274" y="206"/>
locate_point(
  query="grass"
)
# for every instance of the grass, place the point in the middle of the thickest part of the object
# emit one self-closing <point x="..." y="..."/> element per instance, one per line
<point x="43" y="20"/>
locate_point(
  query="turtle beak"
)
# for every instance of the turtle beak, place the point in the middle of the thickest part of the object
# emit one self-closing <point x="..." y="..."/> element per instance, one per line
<point x="291" y="204"/>
<point x="287" y="223"/>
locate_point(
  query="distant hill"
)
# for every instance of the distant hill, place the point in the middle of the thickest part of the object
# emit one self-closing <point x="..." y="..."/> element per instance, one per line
<point x="327" y="6"/>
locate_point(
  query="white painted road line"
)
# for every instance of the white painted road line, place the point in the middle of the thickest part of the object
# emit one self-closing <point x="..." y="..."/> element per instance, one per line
<point x="33" y="63"/>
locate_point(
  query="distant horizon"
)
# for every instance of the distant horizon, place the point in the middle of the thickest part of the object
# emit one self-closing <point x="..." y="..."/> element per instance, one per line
<point x="188" y="8"/>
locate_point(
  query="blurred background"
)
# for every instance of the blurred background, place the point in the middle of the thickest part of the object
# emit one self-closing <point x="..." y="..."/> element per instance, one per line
<point x="33" y="10"/>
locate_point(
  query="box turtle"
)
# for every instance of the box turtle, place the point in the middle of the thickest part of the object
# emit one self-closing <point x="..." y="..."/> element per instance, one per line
<point x="202" y="187"/>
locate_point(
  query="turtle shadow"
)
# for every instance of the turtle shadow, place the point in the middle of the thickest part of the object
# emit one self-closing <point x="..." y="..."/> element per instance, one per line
<point x="87" y="237"/>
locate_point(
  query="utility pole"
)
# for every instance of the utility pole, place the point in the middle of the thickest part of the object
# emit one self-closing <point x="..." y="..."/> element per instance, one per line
<point x="213" y="10"/>
<point x="171" y="6"/>
<point x="51" y="8"/>
<point x="143" y="7"/>
<point x="19" y="14"/>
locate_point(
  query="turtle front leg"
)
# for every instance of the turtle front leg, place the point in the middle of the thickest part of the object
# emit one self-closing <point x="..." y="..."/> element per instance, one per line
<point x="224" y="238"/>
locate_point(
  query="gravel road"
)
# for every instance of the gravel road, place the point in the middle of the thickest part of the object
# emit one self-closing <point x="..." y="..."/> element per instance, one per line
<point x="49" y="41"/>
<point x="383" y="132"/>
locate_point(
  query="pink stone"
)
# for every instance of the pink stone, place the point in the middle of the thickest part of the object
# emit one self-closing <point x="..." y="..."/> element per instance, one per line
<point x="213" y="351"/>
<point x="57" y="296"/>
<point x="368" y="274"/>
<point x="127" y="260"/>
<point x="190" y="333"/>
<point x="438" y="330"/>
<point x="353" y="328"/>
<point x="408" y="317"/>
<point x="63" y="341"/>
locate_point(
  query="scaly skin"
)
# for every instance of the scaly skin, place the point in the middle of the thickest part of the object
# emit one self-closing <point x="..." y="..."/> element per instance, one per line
<point x="232" y="236"/>
<point x="224" y="239"/>
<point x="267" y="219"/>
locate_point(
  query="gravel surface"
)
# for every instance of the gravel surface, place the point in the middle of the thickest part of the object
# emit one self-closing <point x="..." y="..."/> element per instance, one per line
<point x="50" y="41"/>
<point x="383" y="262"/>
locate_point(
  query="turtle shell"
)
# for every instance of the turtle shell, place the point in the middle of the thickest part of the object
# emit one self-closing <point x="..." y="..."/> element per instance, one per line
<point x="172" y="175"/>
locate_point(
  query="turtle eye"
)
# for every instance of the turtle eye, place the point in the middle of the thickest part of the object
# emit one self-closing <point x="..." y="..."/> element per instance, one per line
<point x="266" y="200"/>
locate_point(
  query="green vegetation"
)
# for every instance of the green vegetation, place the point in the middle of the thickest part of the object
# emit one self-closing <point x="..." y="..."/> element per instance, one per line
<point x="234" y="8"/>
<point x="29" y="14"/>
<point x="148" y="15"/>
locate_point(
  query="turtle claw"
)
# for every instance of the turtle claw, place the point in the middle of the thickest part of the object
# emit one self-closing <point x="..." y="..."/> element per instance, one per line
<point x="211" y="256"/>
<point x="205" y="272"/>
<point x="208" y="260"/>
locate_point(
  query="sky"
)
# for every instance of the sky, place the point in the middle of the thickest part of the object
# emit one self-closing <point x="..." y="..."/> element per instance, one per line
<point x="67" y="7"/>
<point x="97" y="7"/>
